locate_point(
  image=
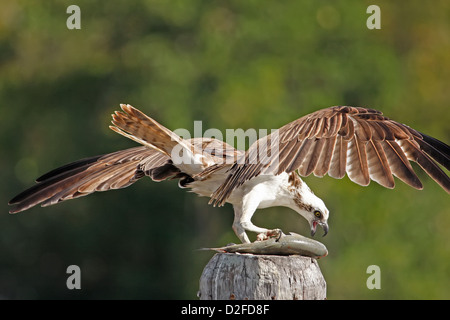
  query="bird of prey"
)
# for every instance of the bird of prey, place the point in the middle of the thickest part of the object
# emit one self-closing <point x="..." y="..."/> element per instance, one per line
<point x="356" y="141"/>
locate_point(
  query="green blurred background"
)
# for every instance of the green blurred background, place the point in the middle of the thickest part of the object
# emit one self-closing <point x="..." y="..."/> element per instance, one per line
<point x="231" y="64"/>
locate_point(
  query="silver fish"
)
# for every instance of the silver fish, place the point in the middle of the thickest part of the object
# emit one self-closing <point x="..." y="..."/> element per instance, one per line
<point x="292" y="244"/>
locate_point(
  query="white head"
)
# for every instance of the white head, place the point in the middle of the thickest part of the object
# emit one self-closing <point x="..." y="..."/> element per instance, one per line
<point x="306" y="203"/>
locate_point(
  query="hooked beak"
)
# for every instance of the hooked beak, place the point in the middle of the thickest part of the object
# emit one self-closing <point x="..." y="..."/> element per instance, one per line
<point x="324" y="226"/>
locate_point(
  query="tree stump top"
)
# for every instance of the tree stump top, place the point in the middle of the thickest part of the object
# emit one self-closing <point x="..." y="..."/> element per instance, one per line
<point x="261" y="277"/>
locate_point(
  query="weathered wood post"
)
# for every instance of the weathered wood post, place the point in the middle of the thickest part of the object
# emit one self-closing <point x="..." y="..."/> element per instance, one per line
<point x="262" y="277"/>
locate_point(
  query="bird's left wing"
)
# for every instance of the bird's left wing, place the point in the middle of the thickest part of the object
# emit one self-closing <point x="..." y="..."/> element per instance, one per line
<point x="338" y="140"/>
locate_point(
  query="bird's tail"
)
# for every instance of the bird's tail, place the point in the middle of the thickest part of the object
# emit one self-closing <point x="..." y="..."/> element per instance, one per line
<point x="137" y="126"/>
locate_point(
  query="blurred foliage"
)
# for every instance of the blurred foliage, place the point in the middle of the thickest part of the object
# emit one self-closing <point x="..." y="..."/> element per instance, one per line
<point x="231" y="64"/>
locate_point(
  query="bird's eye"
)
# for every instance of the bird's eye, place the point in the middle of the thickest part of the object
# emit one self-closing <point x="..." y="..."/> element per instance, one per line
<point x="318" y="214"/>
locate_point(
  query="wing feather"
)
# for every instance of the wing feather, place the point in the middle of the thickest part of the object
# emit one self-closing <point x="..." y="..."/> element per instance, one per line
<point x="414" y="153"/>
<point x="311" y="160"/>
<point x="338" y="159"/>
<point x="400" y="165"/>
<point x="357" y="166"/>
<point x="324" y="161"/>
<point x="379" y="168"/>
<point x="300" y="155"/>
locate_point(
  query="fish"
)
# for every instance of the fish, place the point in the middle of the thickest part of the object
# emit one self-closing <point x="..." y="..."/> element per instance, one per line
<point x="292" y="244"/>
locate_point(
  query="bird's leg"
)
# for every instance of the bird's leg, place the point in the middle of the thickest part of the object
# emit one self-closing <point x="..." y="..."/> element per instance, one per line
<point x="240" y="232"/>
<point x="242" y="223"/>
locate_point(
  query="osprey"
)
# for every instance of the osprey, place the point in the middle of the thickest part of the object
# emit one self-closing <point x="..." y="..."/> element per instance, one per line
<point x="359" y="142"/>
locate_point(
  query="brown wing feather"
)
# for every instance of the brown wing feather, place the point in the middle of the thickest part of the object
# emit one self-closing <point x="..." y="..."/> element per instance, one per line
<point x="357" y="167"/>
<point x="324" y="161"/>
<point x="379" y="168"/>
<point x="400" y="165"/>
<point x="313" y="157"/>
<point x="111" y="171"/>
<point x="358" y="141"/>
<point x="415" y="153"/>
<point x="338" y="159"/>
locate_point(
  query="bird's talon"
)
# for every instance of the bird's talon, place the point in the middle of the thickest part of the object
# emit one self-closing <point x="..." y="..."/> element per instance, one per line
<point x="261" y="236"/>
<point x="275" y="233"/>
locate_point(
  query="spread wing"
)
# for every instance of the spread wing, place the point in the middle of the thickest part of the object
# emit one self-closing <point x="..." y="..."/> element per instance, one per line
<point x="100" y="173"/>
<point x="122" y="168"/>
<point x="338" y="140"/>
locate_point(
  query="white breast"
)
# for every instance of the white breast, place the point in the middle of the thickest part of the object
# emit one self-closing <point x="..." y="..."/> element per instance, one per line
<point x="264" y="190"/>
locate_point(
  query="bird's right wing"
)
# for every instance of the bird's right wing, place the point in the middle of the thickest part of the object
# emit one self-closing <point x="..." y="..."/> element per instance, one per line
<point x="122" y="168"/>
<point x="100" y="173"/>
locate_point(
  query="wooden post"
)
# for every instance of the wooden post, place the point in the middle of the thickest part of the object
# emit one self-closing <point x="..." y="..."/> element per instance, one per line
<point x="262" y="277"/>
